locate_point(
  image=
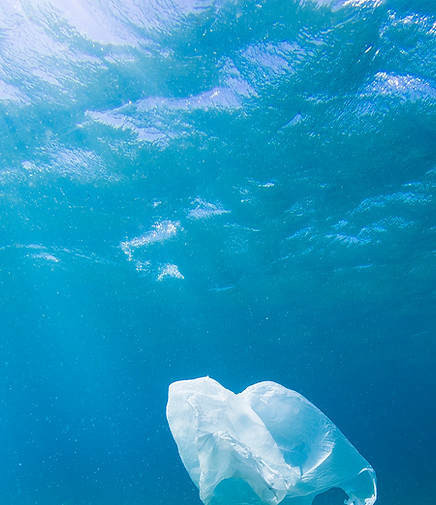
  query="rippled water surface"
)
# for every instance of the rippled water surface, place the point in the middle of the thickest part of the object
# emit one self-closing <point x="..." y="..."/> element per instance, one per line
<point x="244" y="190"/>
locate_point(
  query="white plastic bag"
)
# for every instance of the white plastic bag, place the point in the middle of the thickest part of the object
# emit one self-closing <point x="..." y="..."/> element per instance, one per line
<point x="265" y="445"/>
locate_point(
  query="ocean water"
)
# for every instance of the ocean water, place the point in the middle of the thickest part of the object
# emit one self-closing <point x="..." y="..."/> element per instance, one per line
<point x="239" y="189"/>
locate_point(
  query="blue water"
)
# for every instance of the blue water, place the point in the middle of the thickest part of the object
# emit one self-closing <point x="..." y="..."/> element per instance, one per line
<point x="244" y="190"/>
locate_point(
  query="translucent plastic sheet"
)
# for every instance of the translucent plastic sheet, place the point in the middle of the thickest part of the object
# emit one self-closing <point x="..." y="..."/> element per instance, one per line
<point x="265" y="445"/>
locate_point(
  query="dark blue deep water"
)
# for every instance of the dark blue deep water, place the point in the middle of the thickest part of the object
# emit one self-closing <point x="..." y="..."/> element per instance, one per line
<point x="240" y="189"/>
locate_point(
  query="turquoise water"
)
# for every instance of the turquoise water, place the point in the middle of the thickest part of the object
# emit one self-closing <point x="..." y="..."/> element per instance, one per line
<point x="244" y="190"/>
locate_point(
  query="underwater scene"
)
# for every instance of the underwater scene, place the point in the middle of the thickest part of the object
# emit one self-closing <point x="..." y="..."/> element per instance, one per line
<point x="240" y="190"/>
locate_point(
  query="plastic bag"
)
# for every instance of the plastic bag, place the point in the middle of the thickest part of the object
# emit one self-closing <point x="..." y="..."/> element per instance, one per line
<point x="265" y="445"/>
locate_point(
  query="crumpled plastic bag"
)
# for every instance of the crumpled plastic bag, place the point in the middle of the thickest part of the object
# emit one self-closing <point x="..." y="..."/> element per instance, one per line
<point x="265" y="445"/>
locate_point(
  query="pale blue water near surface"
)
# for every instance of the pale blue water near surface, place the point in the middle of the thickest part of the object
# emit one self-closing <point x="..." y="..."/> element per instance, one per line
<point x="244" y="190"/>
